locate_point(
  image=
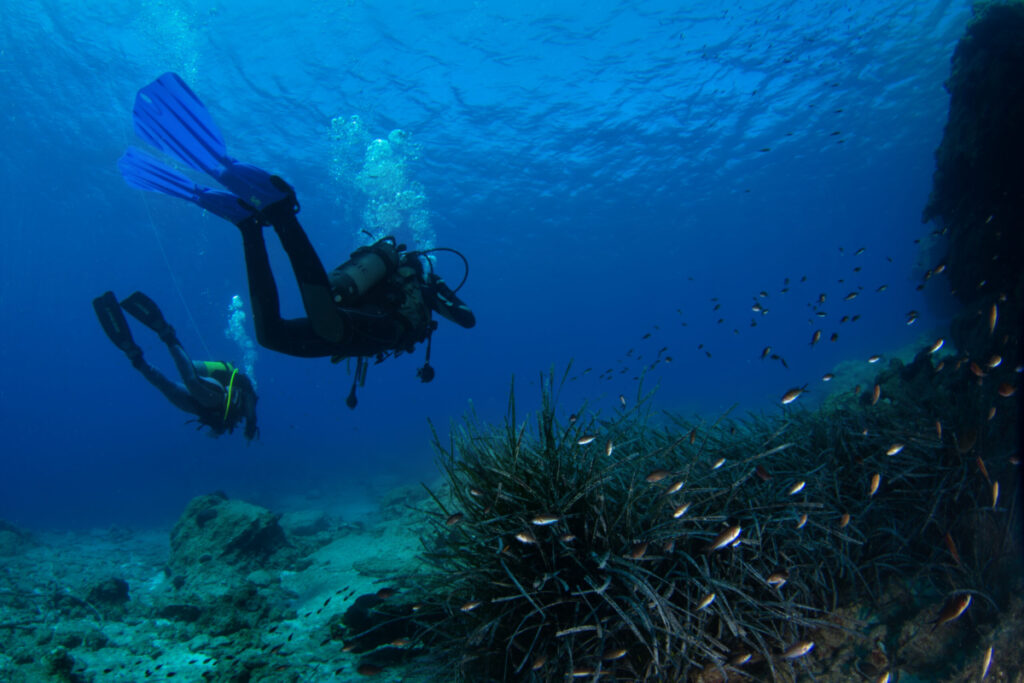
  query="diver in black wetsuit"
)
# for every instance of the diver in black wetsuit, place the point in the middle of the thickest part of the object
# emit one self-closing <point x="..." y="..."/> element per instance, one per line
<point x="378" y="303"/>
<point x="217" y="393"/>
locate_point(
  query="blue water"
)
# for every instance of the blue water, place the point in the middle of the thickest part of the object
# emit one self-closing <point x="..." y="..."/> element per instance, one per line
<point x="600" y="168"/>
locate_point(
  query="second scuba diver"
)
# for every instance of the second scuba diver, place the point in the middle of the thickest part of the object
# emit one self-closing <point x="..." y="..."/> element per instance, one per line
<point x="217" y="393"/>
<point x="378" y="303"/>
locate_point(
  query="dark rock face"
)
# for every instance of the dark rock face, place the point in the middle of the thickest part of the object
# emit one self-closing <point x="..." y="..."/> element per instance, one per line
<point x="111" y="592"/>
<point x="215" y="533"/>
<point x="978" y="190"/>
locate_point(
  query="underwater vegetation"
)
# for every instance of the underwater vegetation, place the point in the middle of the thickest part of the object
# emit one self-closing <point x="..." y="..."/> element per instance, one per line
<point x="625" y="548"/>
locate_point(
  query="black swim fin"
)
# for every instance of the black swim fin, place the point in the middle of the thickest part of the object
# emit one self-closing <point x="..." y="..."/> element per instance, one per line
<point x="145" y="310"/>
<point x="108" y="312"/>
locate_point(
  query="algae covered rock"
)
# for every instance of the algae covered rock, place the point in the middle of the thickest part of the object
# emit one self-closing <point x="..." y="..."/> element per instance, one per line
<point x="13" y="541"/>
<point x="218" y="541"/>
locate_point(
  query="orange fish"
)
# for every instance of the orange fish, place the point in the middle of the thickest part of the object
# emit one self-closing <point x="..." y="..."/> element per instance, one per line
<point x="995" y="361"/>
<point x="725" y="538"/>
<point x="816" y="337"/>
<point x="584" y="440"/>
<point x="953" y="608"/>
<point x="894" y="449"/>
<point x="656" y="476"/>
<point x="876" y="393"/>
<point x="612" y="655"/>
<point x="876" y="479"/>
<point x="793" y="394"/>
<point x="708" y="599"/>
<point x="638" y="550"/>
<point x="993" y="316"/>
<point x="454" y="519"/>
<point x="798" y="650"/>
<point x="844" y="520"/>
<point x="952" y="548"/>
<point x="937" y="345"/>
<point x="1006" y="390"/>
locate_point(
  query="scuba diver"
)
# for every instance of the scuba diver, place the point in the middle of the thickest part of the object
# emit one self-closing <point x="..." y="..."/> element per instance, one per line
<point x="217" y="393"/>
<point x="376" y="304"/>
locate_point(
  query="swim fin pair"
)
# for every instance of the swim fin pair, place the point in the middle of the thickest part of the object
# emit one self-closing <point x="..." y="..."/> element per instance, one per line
<point x="143" y="309"/>
<point x="169" y="116"/>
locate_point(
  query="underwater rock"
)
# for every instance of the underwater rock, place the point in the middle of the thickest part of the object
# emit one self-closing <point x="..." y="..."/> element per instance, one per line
<point x="13" y="541"/>
<point x="305" y="522"/>
<point x="112" y="592"/>
<point x="976" y="187"/>
<point x="215" y="534"/>
<point x="186" y="613"/>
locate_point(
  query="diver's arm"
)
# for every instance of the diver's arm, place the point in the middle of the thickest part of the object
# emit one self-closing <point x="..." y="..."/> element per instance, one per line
<point x="442" y="299"/>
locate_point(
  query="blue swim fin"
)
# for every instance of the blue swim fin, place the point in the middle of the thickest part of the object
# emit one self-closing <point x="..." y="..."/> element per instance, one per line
<point x="169" y="116"/>
<point x="142" y="171"/>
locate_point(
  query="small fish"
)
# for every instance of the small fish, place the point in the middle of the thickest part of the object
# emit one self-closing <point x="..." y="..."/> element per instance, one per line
<point x="850" y="297"/>
<point x="882" y="288"/>
<point x="476" y="493"/>
<point x="638" y="550"/>
<point x="1006" y="390"/>
<point x="798" y="650"/>
<point x="995" y="494"/>
<point x="951" y="546"/>
<point x="874" y="359"/>
<point x="725" y="538"/>
<point x="718" y="463"/>
<point x="816" y="337"/>
<point x="995" y="361"/>
<point x="937" y="270"/>
<point x="981" y="466"/>
<point x="582" y="672"/>
<point x="876" y="393"/>
<point x="386" y="593"/>
<point x="622" y="400"/>
<point x="821" y="298"/>
<point x="612" y="655"/>
<point x="797" y="488"/>
<point x="793" y="394"/>
<point x="834" y="337"/>
<point x="544" y="520"/>
<point x="740" y="659"/>
<point x="894" y="449"/>
<point x="567" y="538"/>
<point x="993" y="316"/>
<point x="859" y="252"/>
<point x="938" y="430"/>
<point x="526" y="537"/>
<point x="844" y="520"/>
<point x="539" y="661"/>
<point x="680" y="511"/>
<point x="884" y="678"/>
<point x="777" y="579"/>
<point x="767" y="350"/>
<point x="707" y="600"/>
<point x="937" y="345"/>
<point x="976" y="370"/>
<point x="986" y="662"/>
<point x="656" y="476"/>
<point x="454" y="519"/>
<point x="762" y="473"/>
<point x="400" y="642"/>
<point x="675" y="487"/>
<point x="802" y="521"/>
<point x="876" y="479"/>
<point x="584" y="440"/>
<point x="953" y="608"/>
<point x="470" y="606"/>
<point x="609" y="448"/>
<point x="827" y="377"/>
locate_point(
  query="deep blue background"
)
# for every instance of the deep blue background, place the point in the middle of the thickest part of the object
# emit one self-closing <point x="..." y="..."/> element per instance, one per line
<point x="589" y="163"/>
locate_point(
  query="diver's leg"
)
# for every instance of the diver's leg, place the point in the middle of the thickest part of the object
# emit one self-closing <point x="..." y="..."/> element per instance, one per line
<point x="293" y="337"/>
<point x="174" y="392"/>
<point x="205" y="390"/>
<point x="309" y="270"/>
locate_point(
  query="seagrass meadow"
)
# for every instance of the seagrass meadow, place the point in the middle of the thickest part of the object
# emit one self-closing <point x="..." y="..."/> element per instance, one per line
<point x="634" y="546"/>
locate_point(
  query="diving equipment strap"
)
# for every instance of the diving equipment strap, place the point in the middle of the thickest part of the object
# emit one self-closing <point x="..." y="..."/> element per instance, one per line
<point x="231" y="385"/>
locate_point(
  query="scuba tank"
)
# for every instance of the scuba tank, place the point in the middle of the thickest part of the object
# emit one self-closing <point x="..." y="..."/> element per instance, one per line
<point x="366" y="267"/>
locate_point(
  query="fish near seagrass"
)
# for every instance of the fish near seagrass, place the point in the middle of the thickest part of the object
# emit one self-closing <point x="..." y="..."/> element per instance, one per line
<point x="952" y="609"/>
<point x="725" y="538"/>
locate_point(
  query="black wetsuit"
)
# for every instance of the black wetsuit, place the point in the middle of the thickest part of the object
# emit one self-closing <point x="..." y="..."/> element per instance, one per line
<point x="376" y="325"/>
<point x="205" y="391"/>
